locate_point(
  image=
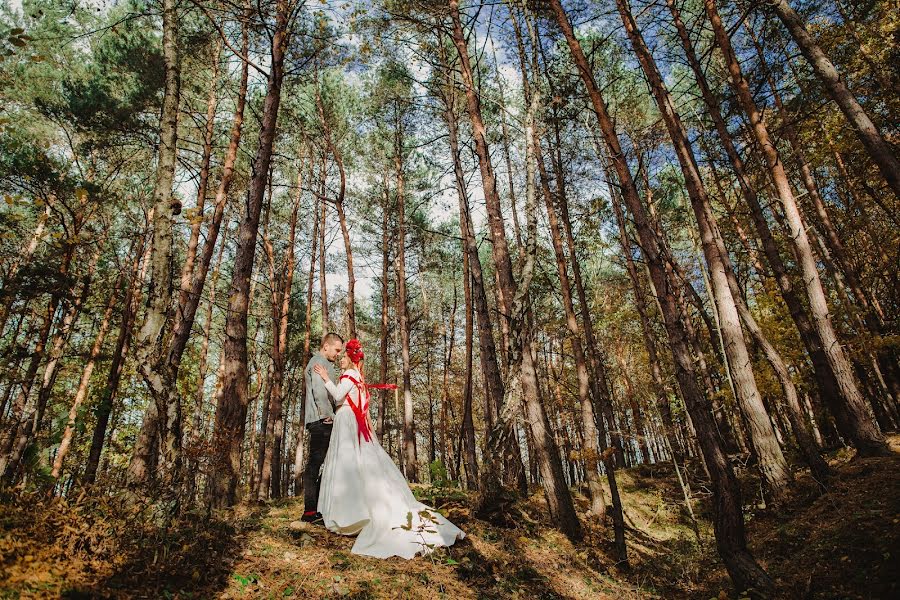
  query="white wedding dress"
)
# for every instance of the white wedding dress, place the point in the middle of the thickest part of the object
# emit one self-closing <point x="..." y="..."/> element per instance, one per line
<point x="363" y="492"/>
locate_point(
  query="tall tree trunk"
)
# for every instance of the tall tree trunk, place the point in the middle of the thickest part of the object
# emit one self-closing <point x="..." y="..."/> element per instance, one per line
<point x="590" y="453"/>
<point x="873" y="315"/>
<point x="82" y="391"/>
<point x="772" y="463"/>
<point x="649" y="336"/>
<point x="410" y="461"/>
<point x="196" y="220"/>
<point x="872" y="311"/>
<point x="512" y="299"/>
<point x="851" y="412"/>
<point x="342" y="218"/>
<point x="323" y="289"/>
<point x="468" y="423"/>
<point x="231" y="410"/>
<point x="58" y="346"/>
<point x="198" y="435"/>
<point x="449" y="341"/>
<point x="809" y="334"/>
<point x="19" y="420"/>
<point x="490" y="366"/>
<point x="875" y="144"/>
<point x="728" y="520"/>
<point x="301" y="420"/>
<point x="159" y="294"/>
<point x="9" y="296"/>
<point x="281" y="305"/>
<point x="130" y="305"/>
<point x="385" y="305"/>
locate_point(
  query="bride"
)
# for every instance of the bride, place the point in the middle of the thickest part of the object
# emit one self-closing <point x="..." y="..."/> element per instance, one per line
<point x="363" y="492"/>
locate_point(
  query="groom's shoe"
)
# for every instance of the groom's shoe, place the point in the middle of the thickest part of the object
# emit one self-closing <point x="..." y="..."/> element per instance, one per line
<point x="312" y="517"/>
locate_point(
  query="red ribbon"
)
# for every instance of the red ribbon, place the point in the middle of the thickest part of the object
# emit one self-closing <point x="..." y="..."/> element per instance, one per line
<point x="360" y="411"/>
<point x="382" y="386"/>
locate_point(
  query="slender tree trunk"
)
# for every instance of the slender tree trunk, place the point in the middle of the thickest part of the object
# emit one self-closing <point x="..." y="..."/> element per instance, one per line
<point x="410" y="461"/>
<point x="198" y="434"/>
<point x="590" y="453"/>
<point x="19" y="417"/>
<point x="772" y="463"/>
<point x="873" y="313"/>
<point x="196" y="219"/>
<point x="851" y="413"/>
<point x="58" y="346"/>
<point x="342" y="218"/>
<point x="323" y="289"/>
<point x="449" y="341"/>
<point x="385" y="305"/>
<point x="640" y="431"/>
<point x="281" y="305"/>
<point x="468" y="423"/>
<point x="24" y="256"/>
<point x="512" y="298"/>
<point x="490" y="366"/>
<point x="873" y="141"/>
<point x="662" y="400"/>
<point x="234" y="398"/>
<point x="301" y="421"/>
<point x="809" y="334"/>
<point x="82" y="391"/>
<point x="728" y="519"/>
<point x="131" y="303"/>
<point x="159" y="294"/>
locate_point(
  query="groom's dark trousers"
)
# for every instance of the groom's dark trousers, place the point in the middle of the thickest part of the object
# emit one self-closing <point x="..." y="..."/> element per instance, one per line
<point x="319" y="437"/>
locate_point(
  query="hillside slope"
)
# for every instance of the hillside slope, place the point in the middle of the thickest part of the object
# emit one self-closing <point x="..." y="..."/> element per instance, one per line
<point x="842" y="544"/>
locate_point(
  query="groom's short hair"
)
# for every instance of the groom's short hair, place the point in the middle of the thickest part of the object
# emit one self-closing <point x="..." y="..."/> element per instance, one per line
<point x="330" y="338"/>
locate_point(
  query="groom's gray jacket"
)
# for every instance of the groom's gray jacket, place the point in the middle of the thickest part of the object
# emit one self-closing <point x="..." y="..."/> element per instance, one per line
<point x="318" y="403"/>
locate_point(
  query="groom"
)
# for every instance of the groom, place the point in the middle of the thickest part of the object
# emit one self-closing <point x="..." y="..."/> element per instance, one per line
<point x="319" y="421"/>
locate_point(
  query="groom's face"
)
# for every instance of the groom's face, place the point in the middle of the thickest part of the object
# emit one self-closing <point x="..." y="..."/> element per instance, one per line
<point x="332" y="350"/>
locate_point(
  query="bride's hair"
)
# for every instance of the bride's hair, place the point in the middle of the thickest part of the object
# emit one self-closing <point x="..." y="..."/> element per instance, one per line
<point x="356" y="355"/>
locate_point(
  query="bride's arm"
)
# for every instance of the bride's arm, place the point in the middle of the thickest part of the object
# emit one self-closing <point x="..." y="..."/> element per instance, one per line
<point x="339" y="391"/>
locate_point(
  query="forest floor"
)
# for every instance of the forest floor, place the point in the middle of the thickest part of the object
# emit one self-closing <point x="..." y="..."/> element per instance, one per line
<point x="841" y="544"/>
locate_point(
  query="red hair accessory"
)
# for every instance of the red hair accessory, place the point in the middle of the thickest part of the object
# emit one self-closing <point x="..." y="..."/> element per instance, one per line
<point x="354" y="350"/>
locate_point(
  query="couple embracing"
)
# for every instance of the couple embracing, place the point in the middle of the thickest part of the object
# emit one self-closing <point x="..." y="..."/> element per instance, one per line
<point x="360" y="490"/>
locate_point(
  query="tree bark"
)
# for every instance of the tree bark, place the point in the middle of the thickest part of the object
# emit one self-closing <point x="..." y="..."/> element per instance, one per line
<point x="196" y="220"/>
<point x="82" y="391"/>
<point x="234" y="397"/>
<point x="301" y="421"/>
<point x="159" y="294"/>
<point x="873" y="141"/>
<point x="410" y="460"/>
<point x="10" y="455"/>
<point x="772" y="463"/>
<point x="385" y="305"/>
<point x="342" y="218"/>
<point x="728" y="519"/>
<point x="281" y="305"/>
<point x="512" y="298"/>
<point x="130" y="305"/>
<point x="323" y="289"/>
<point x="490" y="366"/>
<point x="809" y="334"/>
<point x="851" y="412"/>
